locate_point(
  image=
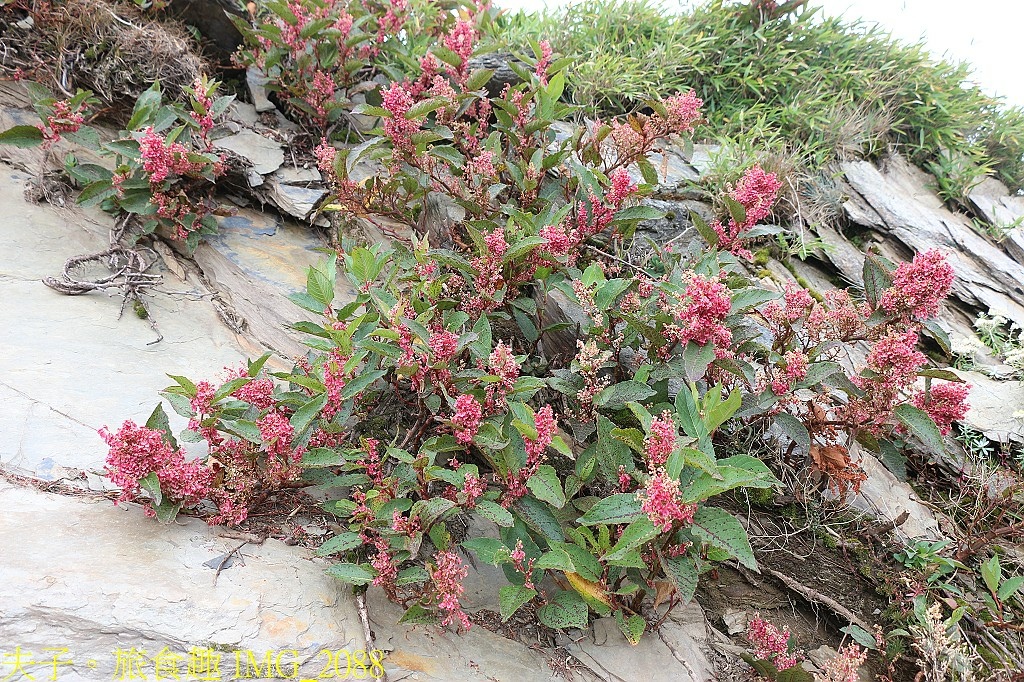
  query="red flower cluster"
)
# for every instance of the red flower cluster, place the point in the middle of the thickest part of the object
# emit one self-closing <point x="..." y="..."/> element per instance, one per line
<point x="662" y="501"/>
<point x="918" y="287"/>
<point x="62" y="120"/>
<point x="700" y="316"/>
<point x="662" y="441"/>
<point x="466" y="420"/>
<point x="945" y="403"/>
<point x="756" y="192"/>
<point x="771" y="643"/>
<point x="447" y="576"/>
<point x="137" y="451"/>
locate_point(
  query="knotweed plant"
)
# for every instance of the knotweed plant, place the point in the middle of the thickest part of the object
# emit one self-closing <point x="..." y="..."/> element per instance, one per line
<point x="436" y="392"/>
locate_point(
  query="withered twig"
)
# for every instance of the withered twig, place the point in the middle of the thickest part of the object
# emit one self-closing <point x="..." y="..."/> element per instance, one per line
<point x="815" y="596"/>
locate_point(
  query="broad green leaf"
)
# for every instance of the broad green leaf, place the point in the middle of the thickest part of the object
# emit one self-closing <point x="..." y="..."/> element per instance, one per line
<point x="158" y="422"/>
<point x="342" y="542"/>
<point x="635" y="535"/>
<point x="617" y="508"/>
<point x="566" y="610"/>
<point x="861" y="636"/>
<point x="682" y="571"/>
<point x="305" y="415"/>
<point x="489" y="550"/>
<point x="417" y="614"/>
<point x="494" y="512"/>
<point x="720" y="529"/>
<point x="539" y="518"/>
<point x="876" y="279"/>
<point x="617" y="395"/>
<point x="546" y="486"/>
<point x="794" y="430"/>
<point x="921" y="425"/>
<point x="991" y="572"/>
<point x="353" y="574"/>
<point x="151" y="484"/>
<point x="511" y="598"/>
<point x="22" y="136"/>
<point x="632" y="627"/>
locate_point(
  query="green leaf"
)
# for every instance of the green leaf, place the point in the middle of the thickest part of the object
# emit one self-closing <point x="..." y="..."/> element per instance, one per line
<point x="158" y="422"/>
<point x="353" y="574"/>
<point x="546" y="486"/>
<point x="682" y="571"/>
<point x="431" y="510"/>
<point x="489" y="550"/>
<point x="720" y="529"/>
<point x="539" y="518"/>
<point x="342" y="542"/>
<point x="305" y="415"/>
<point x="321" y="457"/>
<point x="818" y="372"/>
<point x="736" y="210"/>
<point x="992" y="573"/>
<point x="417" y="614"/>
<point x="151" y="484"/>
<point x="876" y="279"/>
<point x="511" y="598"/>
<point x="617" y="395"/>
<point x="22" y="136"/>
<point x="935" y="373"/>
<point x="921" y="425"/>
<point x="617" y="508"/>
<point x="795" y="430"/>
<point x="566" y="610"/>
<point x="633" y="536"/>
<point x="748" y="297"/>
<point x="861" y="636"/>
<point x="495" y="512"/>
<point x="478" y="79"/>
<point x="1009" y="587"/>
<point x="696" y="359"/>
<point x="166" y="511"/>
<point x="632" y="627"/>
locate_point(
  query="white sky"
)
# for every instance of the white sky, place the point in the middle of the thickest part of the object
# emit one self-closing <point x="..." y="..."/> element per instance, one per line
<point x="985" y="33"/>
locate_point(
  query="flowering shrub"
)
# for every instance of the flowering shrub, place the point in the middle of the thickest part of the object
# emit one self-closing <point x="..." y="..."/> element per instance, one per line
<point x="165" y="164"/>
<point x="776" y="657"/>
<point x="318" y="54"/>
<point x="438" y="391"/>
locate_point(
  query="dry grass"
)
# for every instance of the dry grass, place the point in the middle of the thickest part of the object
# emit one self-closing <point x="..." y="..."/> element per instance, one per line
<point x="109" y="48"/>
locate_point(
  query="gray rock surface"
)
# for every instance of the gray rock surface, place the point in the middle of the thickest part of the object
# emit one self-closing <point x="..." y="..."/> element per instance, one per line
<point x="69" y="365"/>
<point x="671" y="654"/>
<point x="993" y="201"/>
<point x="263" y="154"/>
<point x="886" y="498"/>
<point x="993" y="407"/>
<point x="897" y="203"/>
<point x="95" y="578"/>
<point x="423" y="652"/>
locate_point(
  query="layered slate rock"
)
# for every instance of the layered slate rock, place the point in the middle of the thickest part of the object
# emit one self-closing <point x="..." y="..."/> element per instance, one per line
<point x="70" y="364"/>
<point x="897" y="203"/>
<point x="95" y="579"/>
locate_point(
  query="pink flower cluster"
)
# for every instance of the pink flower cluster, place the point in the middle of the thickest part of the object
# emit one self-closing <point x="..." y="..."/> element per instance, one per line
<point x="638" y="136"/>
<point x="700" y="315"/>
<point x="844" y="666"/>
<point x="137" y="451"/>
<point x="466" y="420"/>
<point x="795" y="304"/>
<point x="662" y="441"/>
<point x="945" y="404"/>
<point x="541" y="68"/>
<point x="522" y="566"/>
<point x="443" y="345"/>
<point x="683" y="112"/>
<point x="918" y="287"/>
<point x="795" y="369"/>
<point x="398" y="100"/>
<point x="447" y="576"/>
<point x="461" y="41"/>
<point x="662" y="501"/>
<point x="161" y="159"/>
<point x="756" y="192"/>
<point x="62" y="120"/>
<point x="546" y="427"/>
<point x="771" y="644"/>
<point x="203" y="103"/>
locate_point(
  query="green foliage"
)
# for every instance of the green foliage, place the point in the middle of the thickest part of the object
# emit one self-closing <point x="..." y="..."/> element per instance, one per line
<point x="829" y="88"/>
